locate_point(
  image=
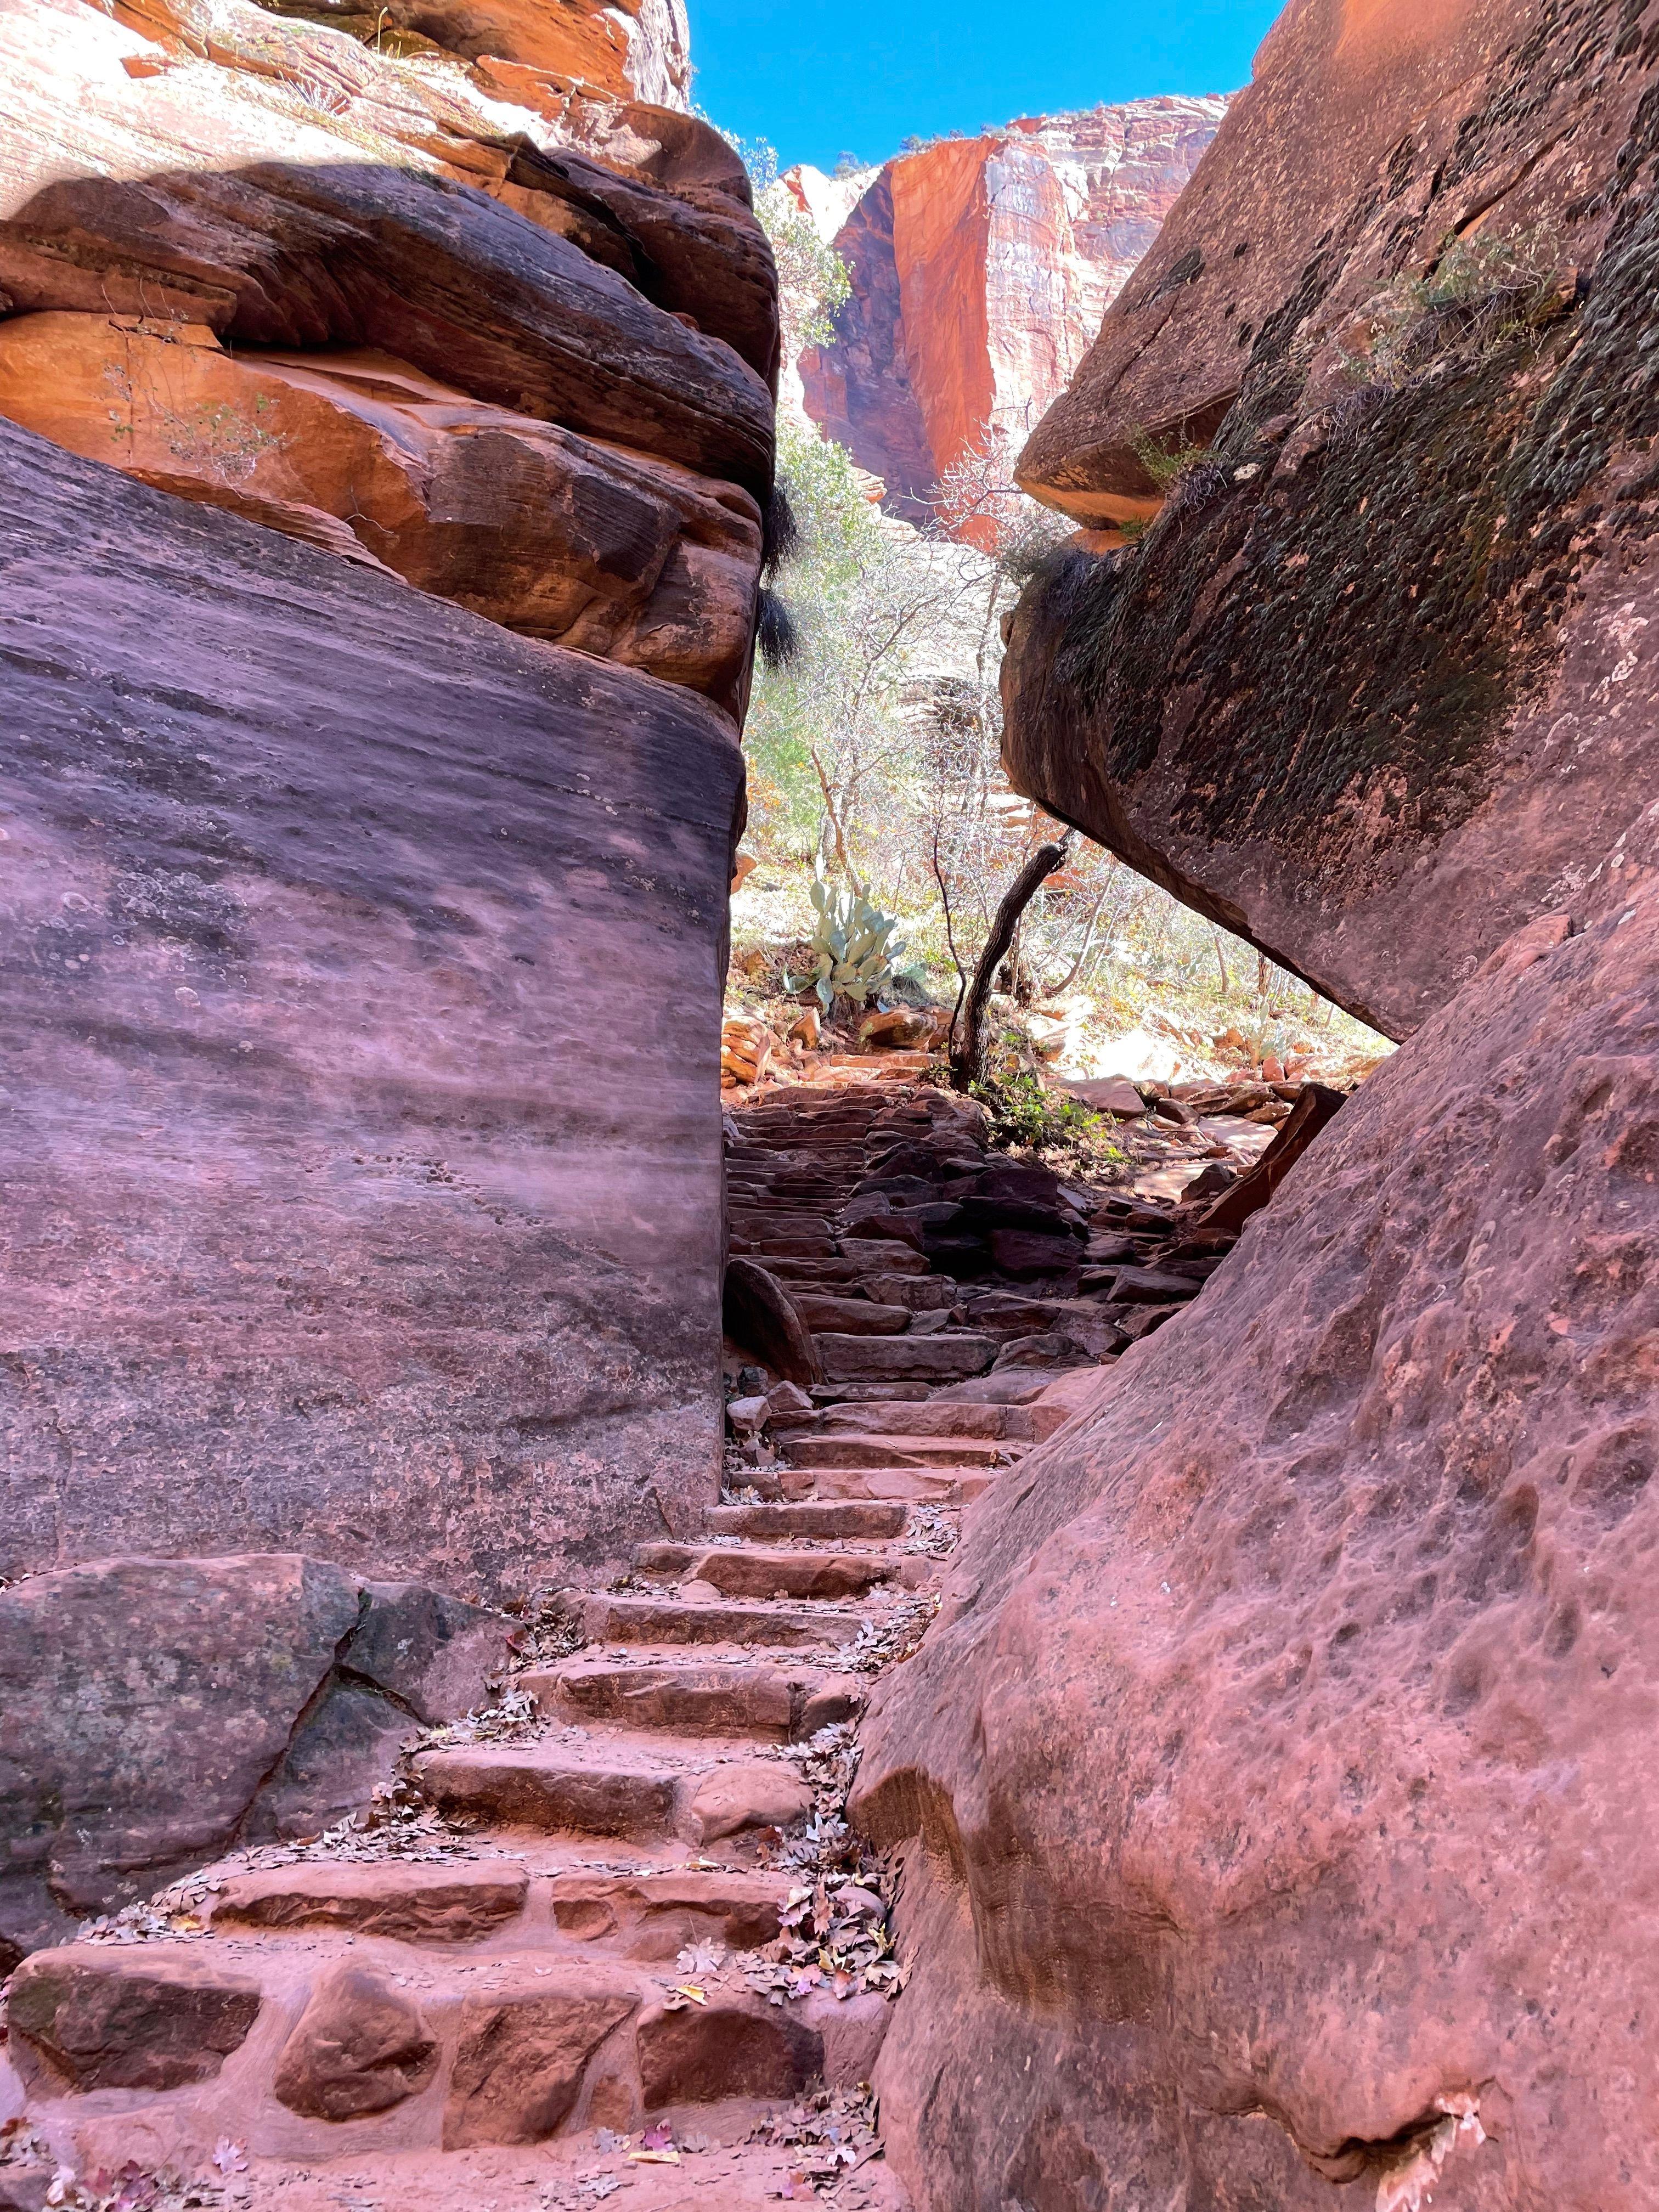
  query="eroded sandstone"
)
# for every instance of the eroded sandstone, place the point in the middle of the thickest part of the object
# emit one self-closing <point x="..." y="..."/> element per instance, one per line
<point x="1275" y="1774"/>
<point x="1372" y="689"/>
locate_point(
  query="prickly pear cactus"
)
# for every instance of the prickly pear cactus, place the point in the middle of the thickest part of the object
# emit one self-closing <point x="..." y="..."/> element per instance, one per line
<point x="854" y="948"/>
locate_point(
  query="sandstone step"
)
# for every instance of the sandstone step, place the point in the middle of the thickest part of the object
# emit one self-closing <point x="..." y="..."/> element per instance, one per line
<point x="864" y="1394"/>
<point x="553" y="1787"/>
<point x="948" y="1356"/>
<point x="849" y="1448"/>
<point x="650" y="1912"/>
<point x="584" y="1787"/>
<point x="412" y="1903"/>
<point x="749" y="1571"/>
<point x="776" y="1221"/>
<point x="844" y="1519"/>
<point x="655" y="1913"/>
<point x="781" y="1705"/>
<point x="616" y="1617"/>
<point x="850" y="1316"/>
<point x="916" y="1486"/>
<point x="767" y="1248"/>
<point x="855" y="1267"/>
<point x="934" y="1417"/>
<point x="518" y="2049"/>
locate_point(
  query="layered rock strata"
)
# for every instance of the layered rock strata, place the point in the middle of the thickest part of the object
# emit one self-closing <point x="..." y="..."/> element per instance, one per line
<point x="506" y="332"/>
<point x="348" y="1215"/>
<point x="1373" y="688"/>
<point x="980" y="271"/>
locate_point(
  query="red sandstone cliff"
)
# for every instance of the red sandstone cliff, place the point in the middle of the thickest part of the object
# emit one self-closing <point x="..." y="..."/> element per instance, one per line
<point x="981" y="269"/>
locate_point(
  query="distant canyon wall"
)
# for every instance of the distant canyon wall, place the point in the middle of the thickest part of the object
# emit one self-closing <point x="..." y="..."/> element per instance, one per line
<point x="981" y="269"/>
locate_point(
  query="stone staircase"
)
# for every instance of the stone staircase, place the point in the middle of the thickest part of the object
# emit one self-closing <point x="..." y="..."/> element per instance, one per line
<point x="588" y="1941"/>
<point x="612" y="1933"/>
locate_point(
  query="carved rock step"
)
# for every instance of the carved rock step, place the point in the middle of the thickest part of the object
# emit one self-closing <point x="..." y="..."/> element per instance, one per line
<point x="754" y="1572"/>
<point x="855" y="1267"/>
<point x="650" y="1913"/>
<point x="917" y="1486"/>
<point x="933" y="1417"/>
<point x="859" y="1316"/>
<point x="281" y="2043"/>
<point x="949" y="1357"/>
<point x="712" y="1697"/>
<point x="619" y="1619"/>
<point x="846" y="1518"/>
<point x="582" y="1788"/>
<point x="848" y="1448"/>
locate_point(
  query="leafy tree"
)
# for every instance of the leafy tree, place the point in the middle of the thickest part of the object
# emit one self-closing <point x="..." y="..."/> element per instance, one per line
<point x="813" y="278"/>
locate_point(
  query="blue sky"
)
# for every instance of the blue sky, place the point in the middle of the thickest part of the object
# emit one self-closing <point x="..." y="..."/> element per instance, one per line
<point x="862" y="74"/>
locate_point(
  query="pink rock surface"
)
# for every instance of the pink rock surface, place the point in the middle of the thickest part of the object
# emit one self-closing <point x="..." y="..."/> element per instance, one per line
<point x="155" y="1711"/>
<point x="350" y="1214"/>
<point x="1278" y="1771"/>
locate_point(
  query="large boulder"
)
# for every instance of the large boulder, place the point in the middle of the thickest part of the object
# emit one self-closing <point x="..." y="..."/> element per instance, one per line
<point x="1277" y="1778"/>
<point x="350" y="1214"/>
<point x="1373" y="688"/>
<point x="156" y="1712"/>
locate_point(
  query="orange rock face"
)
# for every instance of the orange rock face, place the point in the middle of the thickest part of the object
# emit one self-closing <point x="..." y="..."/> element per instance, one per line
<point x="981" y="269"/>
<point x="557" y="536"/>
<point x="549" y="312"/>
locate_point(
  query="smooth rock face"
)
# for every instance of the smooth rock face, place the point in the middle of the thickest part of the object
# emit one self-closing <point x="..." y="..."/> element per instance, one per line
<point x="361" y="2046"/>
<point x="348" y="1217"/>
<point x="84" y="2019"/>
<point x="981" y="269"/>
<point x="1373" y="690"/>
<point x="1282" y="1750"/>
<point x="153" y="1712"/>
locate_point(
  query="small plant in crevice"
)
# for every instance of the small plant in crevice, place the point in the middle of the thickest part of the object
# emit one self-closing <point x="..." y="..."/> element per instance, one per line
<point x="1163" y="463"/>
<point x="1482" y="292"/>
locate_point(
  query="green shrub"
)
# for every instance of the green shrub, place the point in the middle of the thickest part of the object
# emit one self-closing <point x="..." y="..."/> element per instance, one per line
<point x="1483" y="291"/>
<point x="1023" y="1117"/>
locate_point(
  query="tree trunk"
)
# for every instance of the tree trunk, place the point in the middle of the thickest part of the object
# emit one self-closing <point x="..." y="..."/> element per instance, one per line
<point x="967" y="1046"/>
